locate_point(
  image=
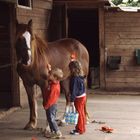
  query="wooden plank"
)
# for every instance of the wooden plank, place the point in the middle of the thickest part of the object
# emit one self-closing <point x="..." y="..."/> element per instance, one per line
<point x="121" y="52"/>
<point x="35" y="19"/>
<point x="122" y="14"/>
<point x="123" y="86"/>
<point x="123" y="74"/>
<point x="41" y="33"/>
<point x="42" y="4"/>
<point x="38" y="23"/>
<point x="126" y="84"/>
<point x="41" y="25"/>
<point x="122" y="42"/>
<point x="122" y="35"/>
<point x="124" y="46"/>
<point x="125" y="24"/>
<point x="132" y="68"/>
<point x="126" y="68"/>
<point x="122" y="19"/>
<point x="36" y="12"/>
<point x="115" y="85"/>
<point x="123" y="29"/>
<point x="123" y="80"/>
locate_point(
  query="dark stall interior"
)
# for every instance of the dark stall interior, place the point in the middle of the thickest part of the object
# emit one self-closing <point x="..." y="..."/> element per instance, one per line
<point x="83" y="25"/>
<point x="5" y="57"/>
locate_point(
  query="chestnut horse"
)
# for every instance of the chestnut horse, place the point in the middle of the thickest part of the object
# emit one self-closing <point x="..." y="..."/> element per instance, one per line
<point x="34" y="55"/>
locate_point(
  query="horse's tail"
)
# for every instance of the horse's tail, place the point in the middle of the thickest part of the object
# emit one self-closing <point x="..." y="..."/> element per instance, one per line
<point x="82" y="55"/>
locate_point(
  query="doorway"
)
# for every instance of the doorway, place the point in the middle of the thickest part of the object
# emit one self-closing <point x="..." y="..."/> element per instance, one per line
<point x="83" y="25"/>
<point x="6" y="56"/>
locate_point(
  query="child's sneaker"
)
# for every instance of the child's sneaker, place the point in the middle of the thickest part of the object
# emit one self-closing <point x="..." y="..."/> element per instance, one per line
<point x="74" y="132"/>
<point x="56" y="135"/>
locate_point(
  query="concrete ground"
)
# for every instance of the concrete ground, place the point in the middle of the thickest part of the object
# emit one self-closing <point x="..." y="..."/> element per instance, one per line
<point x="121" y="112"/>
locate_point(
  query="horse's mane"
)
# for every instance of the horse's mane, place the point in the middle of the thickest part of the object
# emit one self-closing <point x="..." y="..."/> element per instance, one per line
<point x="39" y="48"/>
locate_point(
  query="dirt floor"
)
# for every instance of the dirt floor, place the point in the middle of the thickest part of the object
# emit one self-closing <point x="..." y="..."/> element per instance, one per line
<point x="120" y="112"/>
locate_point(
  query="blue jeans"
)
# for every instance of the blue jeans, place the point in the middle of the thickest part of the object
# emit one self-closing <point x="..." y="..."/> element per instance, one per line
<point x="51" y="116"/>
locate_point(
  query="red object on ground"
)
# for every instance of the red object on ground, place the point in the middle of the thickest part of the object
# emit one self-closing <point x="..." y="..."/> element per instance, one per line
<point x="106" y="129"/>
<point x="33" y="138"/>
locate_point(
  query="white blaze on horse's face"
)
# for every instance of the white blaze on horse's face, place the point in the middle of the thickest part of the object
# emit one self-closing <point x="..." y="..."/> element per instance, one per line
<point x="27" y="37"/>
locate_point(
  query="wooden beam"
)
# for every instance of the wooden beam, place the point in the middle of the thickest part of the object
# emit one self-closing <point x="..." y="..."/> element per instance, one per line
<point x="90" y="3"/>
<point x="10" y="1"/>
<point x="82" y="3"/>
<point x="94" y="1"/>
<point x="15" y="78"/>
<point x="102" y="48"/>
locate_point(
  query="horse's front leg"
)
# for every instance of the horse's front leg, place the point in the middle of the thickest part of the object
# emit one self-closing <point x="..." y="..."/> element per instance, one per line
<point x="43" y="86"/>
<point x="32" y="106"/>
<point x="65" y="90"/>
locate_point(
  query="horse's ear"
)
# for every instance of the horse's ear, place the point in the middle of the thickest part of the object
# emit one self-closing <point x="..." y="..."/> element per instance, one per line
<point x="30" y="24"/>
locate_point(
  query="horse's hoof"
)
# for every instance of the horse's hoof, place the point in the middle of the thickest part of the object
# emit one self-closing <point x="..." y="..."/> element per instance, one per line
<point x="87" y="122"/>
<point x="60" y="123"/>
<point x="29" y="127"/>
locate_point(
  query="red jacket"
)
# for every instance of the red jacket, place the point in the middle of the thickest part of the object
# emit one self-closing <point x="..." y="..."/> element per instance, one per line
<point x="51" y="94"/>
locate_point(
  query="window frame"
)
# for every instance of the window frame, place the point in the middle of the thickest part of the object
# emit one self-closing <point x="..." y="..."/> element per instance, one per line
<point x="26" y="7"/>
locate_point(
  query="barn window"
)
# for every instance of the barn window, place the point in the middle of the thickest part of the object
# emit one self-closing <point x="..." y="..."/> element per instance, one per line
<point x="24" y="3"/>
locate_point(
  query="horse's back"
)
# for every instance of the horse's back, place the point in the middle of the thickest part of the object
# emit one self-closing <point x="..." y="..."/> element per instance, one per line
<point x="66" y="47"/>
<point x="70" y="44"/>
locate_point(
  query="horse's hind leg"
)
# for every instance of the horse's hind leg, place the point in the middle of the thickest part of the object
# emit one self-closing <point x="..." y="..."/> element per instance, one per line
<point x="33" y="107"/>
<point x="85" y="108"/>
<point x="86" y="113"/>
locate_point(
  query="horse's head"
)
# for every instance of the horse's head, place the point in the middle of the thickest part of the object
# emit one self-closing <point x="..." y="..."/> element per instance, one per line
<point x="23" y="42"/>
<point x="31" y="49"/>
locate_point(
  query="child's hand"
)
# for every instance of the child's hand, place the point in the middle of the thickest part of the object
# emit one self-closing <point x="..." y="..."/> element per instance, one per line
<point x="72" y="107"/>
<point x="49" y="67"/>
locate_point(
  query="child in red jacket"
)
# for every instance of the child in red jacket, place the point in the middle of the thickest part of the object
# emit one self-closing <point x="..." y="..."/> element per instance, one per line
<point x="78" y="95"/>
<point x="50" y="97"/>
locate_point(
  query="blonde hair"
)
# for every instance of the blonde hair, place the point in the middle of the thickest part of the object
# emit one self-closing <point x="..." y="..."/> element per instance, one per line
<point x="76" y="68"/>
<point x="58" y="73"/>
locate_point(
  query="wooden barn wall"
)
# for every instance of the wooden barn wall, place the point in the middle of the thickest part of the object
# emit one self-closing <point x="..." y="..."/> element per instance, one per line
<point x="40" y="14"/>
<point x="122" y="37"/>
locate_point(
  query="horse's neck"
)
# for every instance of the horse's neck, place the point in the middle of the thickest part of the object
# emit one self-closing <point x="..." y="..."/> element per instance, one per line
<point x="40" y="52"/>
